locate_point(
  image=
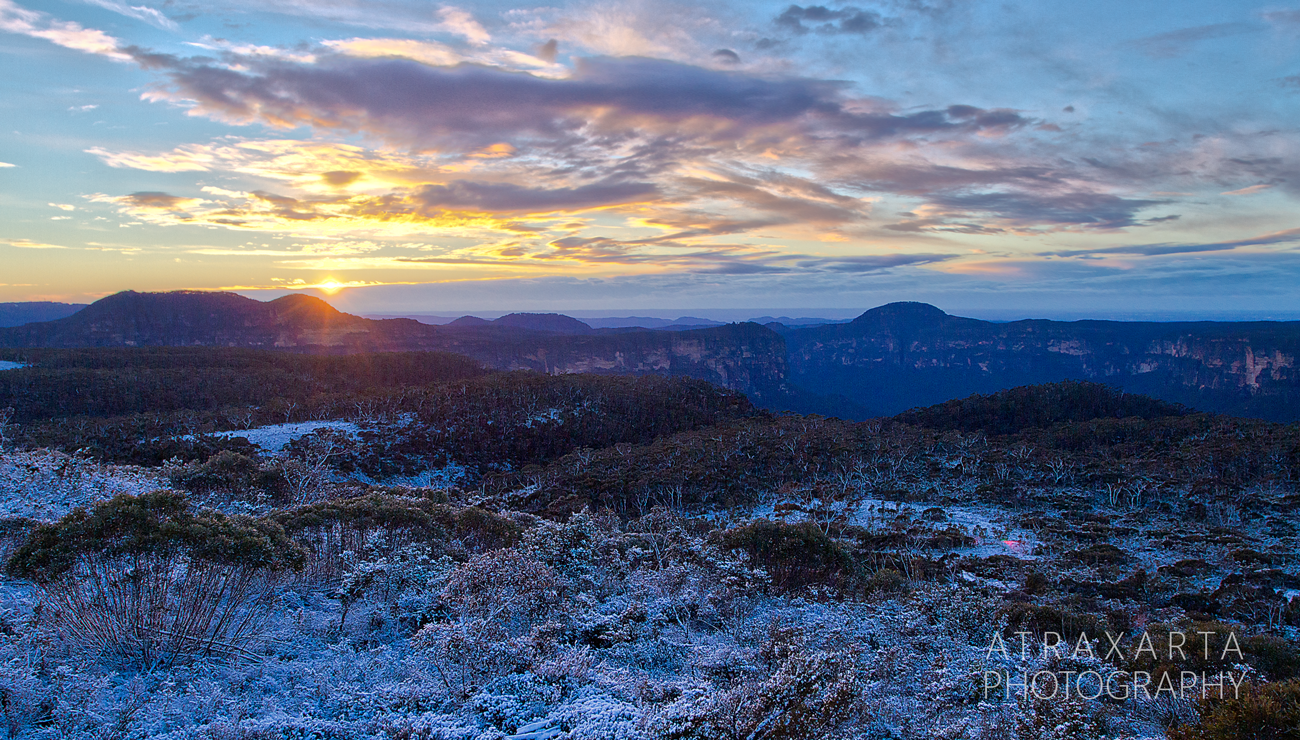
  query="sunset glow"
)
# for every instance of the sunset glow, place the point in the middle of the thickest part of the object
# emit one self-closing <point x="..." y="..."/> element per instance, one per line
<point x="642" y="153"/>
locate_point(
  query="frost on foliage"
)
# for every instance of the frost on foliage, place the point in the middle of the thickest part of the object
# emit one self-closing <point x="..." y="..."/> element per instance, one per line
<point x="401" y="583"/>
<point x="593" y="715"/>
<point x="45" y="484"/>
<point x="506" y="603"/>
<point x="527" y="707"/>
<point x="810" y="696"/>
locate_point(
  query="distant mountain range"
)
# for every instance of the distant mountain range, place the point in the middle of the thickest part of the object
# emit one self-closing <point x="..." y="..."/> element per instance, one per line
<point x="905" y="355"/>
<point x="888" y="360"/>
<point x="618" y="322"/>
<point x="745" y="357"/>
<point x="17" y="314"/>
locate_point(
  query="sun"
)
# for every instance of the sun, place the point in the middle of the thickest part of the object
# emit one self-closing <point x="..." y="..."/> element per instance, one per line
<point x="331" y="286"/>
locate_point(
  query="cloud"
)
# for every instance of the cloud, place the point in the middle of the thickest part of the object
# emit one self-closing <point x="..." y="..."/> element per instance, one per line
<point x="435" y="106"/>
<point x="1250" y="190"/>
<point x="606" y="250"/>
<point x="340" y="178"/>
<point x="456" y="209"/>
<point x="549" y="51"/>
<point x="788" y="199"/>
<point x="235" y="51"/>
<point x="138" y="12"/>
<point x="616" y="121"/>
<point x="29" y="244"/>
<point x="1177" y="43"/>
<point x="185" y="159"/>
<point x="157" y="201"/>
<point x="62" y="206"/>
<point x="153" y="206"/>
<point x="16" y="19"/>
<point x="873" y="263"/>
<point x="462" y="23"/>
<point x="1287" y="236"/>
<point x="435" y="54"/>
<point x="726" y="56"/>
<point x="6" y="164"/>
<point x="1283" y="18"/>
<point x="506" y="148"/>
<point x="820" y="19"/>
<point x="1080" y="209"/>
<point x="312" y="166"/>
<point x="416" y="17"/>
<point x="333" y="248"/>
<point x="488" y="197"/>
<point x="425" y="52"/>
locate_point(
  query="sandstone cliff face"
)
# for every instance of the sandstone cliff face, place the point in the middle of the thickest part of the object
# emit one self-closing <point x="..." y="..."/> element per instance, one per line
<point x="743" y="357"/>
<point x="928" y="356"/>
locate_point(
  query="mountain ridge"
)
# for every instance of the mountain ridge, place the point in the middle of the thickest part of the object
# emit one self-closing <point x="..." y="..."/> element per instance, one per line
<point x="27" y="312"/>
<point x="744" y="357"/>
<point x="898" y="357"/>
<point x="887" y="360"/>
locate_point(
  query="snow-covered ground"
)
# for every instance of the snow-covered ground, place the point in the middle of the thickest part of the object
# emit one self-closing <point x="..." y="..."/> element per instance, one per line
<point x="993" y="529"/>
<point x="444" y="477"/>
<point x="45" y="484"/>
<point x="275" y="437"/>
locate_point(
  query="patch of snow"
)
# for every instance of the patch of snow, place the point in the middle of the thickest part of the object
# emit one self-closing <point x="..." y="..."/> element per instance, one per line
<point x="45" y="484"/>
<point x="444" y="477"/>
<point x="979" y="522"/>
<point x="543" y="729"/>
<point x="437" y="478"/>
<point x="554" y="415"/>
<point x="275" y="437"/>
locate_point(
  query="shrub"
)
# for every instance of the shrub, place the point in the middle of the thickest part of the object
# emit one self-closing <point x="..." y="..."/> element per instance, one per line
<point x="1053" y="719"/>
<point x="1267" y="712"/>
<point x="887" y="581"/>
<point x="1026" y="407"/>
<point x="502" y="601"/>
<point x="331" y="528"/>
<point x="1101" y="554"/>
<point x="1274" y="656"/>
<point x="232" y="472"/>
<point x="1039" y="620"/>
<point x="809" y="696"/>
<point x="150" y="581"/>
<point x="796" y="556"/>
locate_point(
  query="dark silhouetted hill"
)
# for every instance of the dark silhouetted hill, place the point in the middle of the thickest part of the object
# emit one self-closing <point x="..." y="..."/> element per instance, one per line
<point x="1039" y="406"/>
<point x="196" y="318"/>
<point x="469" y="321"/>
<point x="552" y="322"/>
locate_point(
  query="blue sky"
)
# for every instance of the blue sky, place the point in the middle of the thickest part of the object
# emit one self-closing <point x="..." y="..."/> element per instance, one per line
<point x="412" y="156"/>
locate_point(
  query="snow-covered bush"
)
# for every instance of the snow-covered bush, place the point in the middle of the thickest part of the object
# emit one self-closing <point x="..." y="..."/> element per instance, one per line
<point x="809" y="696"/>
<point x="403" y="582"/>
<point x="148" y="580"/>
<point x="504" y="603"/>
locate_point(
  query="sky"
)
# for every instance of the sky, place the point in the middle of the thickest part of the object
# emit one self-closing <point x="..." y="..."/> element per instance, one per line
<point x="1037" y="158"/>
